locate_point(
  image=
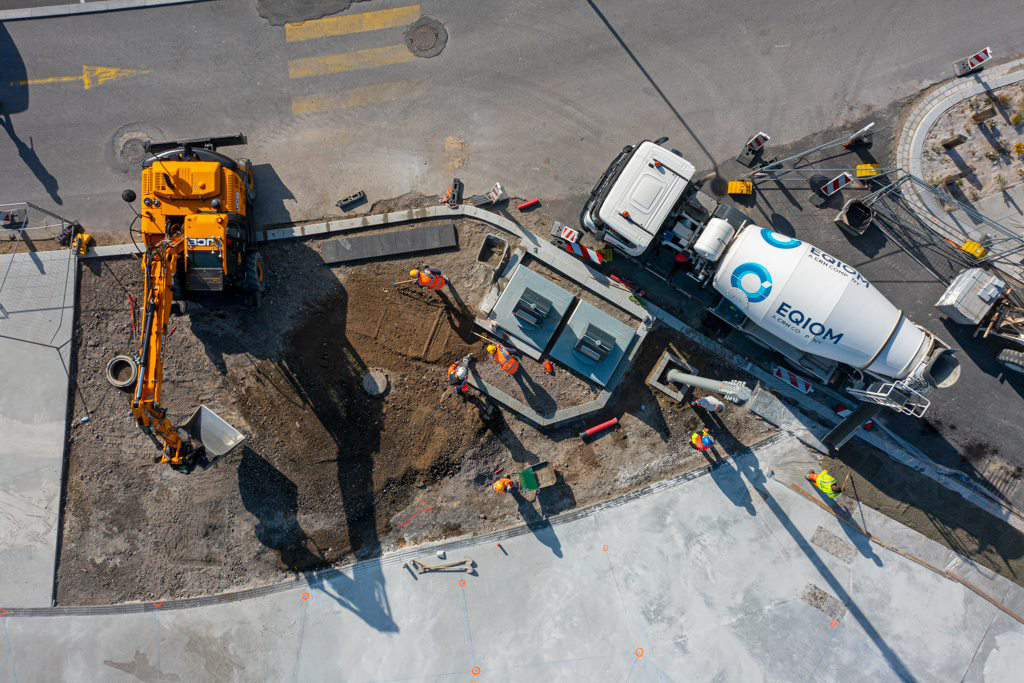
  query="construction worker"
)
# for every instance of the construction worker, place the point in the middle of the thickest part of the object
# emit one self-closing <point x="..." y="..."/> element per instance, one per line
<point x="702" y="441"/>
<point x="504" y="485"/>
<point x="825" y="482"/>
<point x="503" y="357"/>
<point x="458" y="374"/>
<point x="428" y="277"/>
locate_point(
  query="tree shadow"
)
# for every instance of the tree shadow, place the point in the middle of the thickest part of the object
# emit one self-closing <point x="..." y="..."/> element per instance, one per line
<point x="273" y="499"/>
<point x="315" y="378"/>
<point x="31" y="159"/>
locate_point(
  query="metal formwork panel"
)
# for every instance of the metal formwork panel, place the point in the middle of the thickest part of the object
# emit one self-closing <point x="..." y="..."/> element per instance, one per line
<point x="540" y="287"/>
<point x="616" y="334"/>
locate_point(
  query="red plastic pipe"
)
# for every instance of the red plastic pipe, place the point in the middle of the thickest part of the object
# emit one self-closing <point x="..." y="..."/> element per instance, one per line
<point x="527" y="205"/>
<point x="600" y="428"/>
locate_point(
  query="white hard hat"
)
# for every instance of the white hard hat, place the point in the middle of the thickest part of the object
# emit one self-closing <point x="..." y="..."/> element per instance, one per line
<point x="461" y="372"/>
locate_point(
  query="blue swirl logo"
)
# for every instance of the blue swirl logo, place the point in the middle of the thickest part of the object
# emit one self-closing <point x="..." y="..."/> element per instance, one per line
<point x="780" y="241"/>
<point x="764" y="287"/>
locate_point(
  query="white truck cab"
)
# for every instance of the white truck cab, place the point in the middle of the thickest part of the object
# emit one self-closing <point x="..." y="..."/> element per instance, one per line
<point x="636" y="196"/>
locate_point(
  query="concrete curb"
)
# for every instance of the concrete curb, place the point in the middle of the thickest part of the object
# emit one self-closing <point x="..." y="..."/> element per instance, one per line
<point x="910" y="144"/>
<point x="84" y="8"/>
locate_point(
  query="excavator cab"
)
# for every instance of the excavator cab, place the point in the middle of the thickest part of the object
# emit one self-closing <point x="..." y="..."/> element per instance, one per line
<point x="200" y="252"/>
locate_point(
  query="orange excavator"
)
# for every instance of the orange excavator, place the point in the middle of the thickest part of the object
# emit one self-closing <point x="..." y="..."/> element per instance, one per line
<point x="200" y="252"/>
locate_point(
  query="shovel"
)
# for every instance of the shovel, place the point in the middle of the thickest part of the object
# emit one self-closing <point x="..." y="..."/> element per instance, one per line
<point x="211" y="430"/>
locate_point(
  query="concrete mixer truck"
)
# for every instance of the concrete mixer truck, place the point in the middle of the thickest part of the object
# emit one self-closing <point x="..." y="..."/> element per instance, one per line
<point x="788" y="295"/>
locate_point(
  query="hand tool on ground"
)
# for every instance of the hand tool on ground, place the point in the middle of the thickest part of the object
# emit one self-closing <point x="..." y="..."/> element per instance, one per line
<point x="460" y="566"/>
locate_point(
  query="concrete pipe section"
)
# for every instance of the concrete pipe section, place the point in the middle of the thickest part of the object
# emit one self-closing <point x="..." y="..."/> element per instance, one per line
<point x="122" y="371"/>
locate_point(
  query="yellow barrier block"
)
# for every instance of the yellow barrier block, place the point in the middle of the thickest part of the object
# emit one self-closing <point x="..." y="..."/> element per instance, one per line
<point x="868" y="170"/>
<point x="974" y="249"/>
<point x="740" y="187"/>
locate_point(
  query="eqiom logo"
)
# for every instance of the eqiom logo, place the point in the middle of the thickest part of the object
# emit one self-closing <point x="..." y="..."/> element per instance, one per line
<point x="780" y="241"/>
<point x="752" y="273"/>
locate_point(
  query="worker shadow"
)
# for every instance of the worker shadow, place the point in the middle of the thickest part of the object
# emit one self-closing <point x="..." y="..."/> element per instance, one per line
<point x="750" y="469"/>
<point x="273" y="499"/>
<point x="538" y="526"/>
<point x="726" y="475"/>
<point x="535" y="395"/>
<point x="459" y="317"/>
<point x="557" y="497"/>
<point x="852" y="527"/>
<point x="28" y="155"/>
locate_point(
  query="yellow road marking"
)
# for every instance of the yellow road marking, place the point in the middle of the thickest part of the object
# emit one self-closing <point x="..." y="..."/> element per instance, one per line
<point x="357" y="97"/>
<point x="348" y="61"/>
<point x="352" y="23"/>
<point x="92" y="77"/>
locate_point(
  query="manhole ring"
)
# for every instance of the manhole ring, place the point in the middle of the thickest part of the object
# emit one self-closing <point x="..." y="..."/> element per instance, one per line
<point x="423" y="38"/>
<point x="426" y="37"/>
<point x="133" y="150"/>
<point x="375" y="382"/>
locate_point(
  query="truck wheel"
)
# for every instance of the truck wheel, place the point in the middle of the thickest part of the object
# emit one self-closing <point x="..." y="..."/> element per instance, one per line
<point x="255" y="273"/>
<point x="1012" y="360"/>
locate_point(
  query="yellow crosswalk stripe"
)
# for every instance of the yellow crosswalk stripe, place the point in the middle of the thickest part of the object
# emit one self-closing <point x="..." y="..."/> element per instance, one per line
<point x="348" y="61"/>
<point x="357" y="97"/>
<point x="352" y="23"/>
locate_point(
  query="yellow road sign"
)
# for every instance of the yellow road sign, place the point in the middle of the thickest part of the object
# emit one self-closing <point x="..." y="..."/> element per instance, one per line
<point x="868" y="170"/>
<point x="92" y="77"/>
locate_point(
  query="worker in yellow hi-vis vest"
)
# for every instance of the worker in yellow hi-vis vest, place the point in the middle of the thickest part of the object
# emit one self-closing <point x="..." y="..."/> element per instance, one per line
<point x="825" y="482"/>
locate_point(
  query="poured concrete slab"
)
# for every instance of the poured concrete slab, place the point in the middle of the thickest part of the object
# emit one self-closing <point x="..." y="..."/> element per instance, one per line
<point x="583" y="318"/>
<point x="720" y="576"/>
<point x="533" y="285"/>
<point x="37" y="295"/>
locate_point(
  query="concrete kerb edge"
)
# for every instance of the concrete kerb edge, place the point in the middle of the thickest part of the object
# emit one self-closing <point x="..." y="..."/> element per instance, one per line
<point x="86" y="8"/>
<point x="911" y="141"/>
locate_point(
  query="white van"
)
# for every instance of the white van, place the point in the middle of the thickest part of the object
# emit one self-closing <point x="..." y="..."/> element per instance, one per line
<point x="636" y="195"/>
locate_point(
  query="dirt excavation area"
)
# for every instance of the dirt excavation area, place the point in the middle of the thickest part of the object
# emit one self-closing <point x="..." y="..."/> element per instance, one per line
<point x="328" y="473"/>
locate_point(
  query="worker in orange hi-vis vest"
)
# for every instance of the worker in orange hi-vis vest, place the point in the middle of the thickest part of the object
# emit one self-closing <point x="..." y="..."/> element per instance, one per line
<point x="702" y="441"/>
<point x="428" y="277"/>
<point x="503" y="358"/>
<point x="504" y="485"/>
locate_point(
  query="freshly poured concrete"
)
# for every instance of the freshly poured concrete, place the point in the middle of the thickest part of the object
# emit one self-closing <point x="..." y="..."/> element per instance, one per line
<point x="701" y="579"/>
<point x="37" y="293"/>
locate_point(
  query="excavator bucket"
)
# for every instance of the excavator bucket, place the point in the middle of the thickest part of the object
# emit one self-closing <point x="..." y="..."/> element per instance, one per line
<point x="210" y="429"/>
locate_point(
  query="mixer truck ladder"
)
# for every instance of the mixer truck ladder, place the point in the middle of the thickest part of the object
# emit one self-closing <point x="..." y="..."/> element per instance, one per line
<point x="896" y="395"/>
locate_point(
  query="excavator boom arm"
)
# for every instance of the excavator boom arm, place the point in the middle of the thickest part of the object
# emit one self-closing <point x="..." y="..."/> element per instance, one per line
<point x="159" y="264"/>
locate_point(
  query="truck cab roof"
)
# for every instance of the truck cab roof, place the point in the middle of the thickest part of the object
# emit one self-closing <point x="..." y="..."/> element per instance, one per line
<point x="644" y="194"/>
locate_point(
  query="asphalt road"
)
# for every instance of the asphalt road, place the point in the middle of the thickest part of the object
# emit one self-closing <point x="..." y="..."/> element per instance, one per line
<point x="538" y="95"/>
